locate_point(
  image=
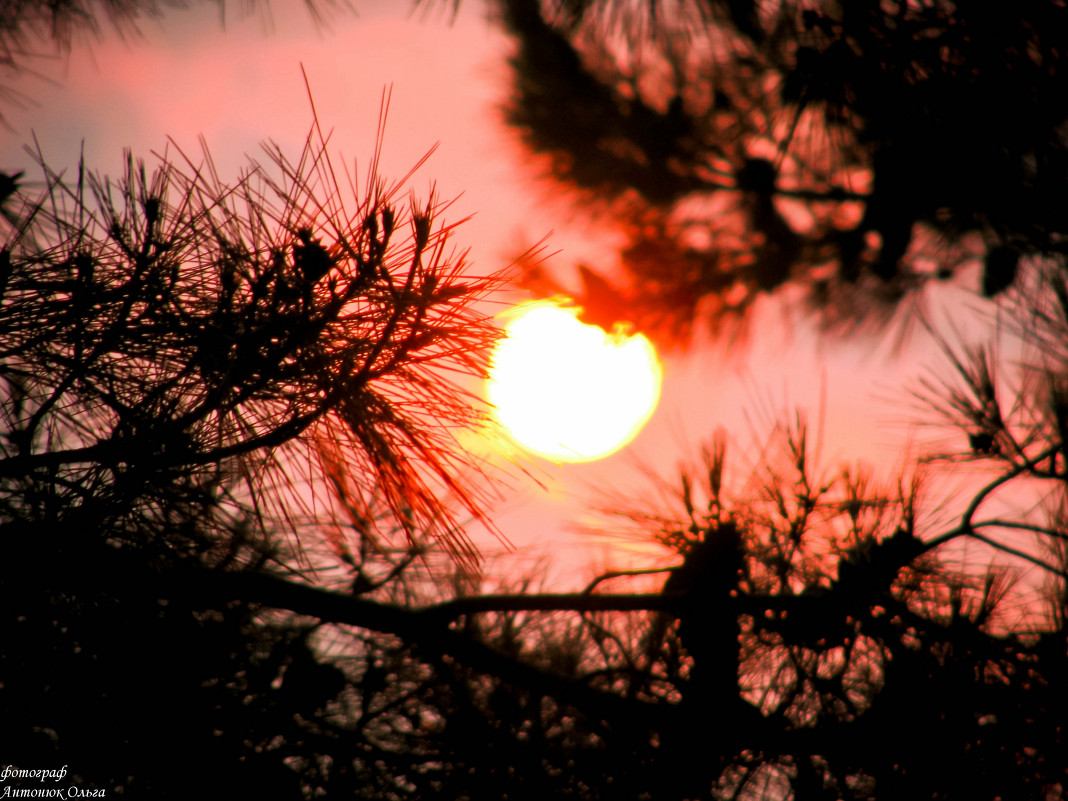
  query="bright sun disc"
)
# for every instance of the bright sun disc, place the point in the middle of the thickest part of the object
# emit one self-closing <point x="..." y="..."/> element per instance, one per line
<point x="570" y="391"/>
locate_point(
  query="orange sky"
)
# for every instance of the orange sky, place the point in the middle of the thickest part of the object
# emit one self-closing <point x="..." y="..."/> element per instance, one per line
<point x="187" y="76"/>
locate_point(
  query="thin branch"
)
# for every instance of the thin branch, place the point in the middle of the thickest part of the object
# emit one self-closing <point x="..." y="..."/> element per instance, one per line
<point x="966" y="526"/>
<point x="614" y="574"/>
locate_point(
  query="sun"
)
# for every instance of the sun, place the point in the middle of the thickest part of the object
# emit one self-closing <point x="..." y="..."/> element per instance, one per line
<point x="569" y="391"/>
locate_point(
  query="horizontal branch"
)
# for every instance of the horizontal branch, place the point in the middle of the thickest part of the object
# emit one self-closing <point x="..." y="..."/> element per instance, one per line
<point x="428" y="631"/>
<point x="549" y="602"/>
<point x="23" y="464"/>
<point x="433" y="621"/>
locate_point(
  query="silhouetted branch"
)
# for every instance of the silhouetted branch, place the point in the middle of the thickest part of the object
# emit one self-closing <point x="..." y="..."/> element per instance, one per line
<point x="856" y="154"/>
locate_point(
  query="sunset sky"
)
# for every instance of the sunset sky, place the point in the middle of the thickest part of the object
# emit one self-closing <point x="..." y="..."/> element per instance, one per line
<point x="188" y="75"/>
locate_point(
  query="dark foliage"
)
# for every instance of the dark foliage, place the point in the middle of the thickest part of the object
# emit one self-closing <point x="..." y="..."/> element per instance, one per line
<point x="226" y="465"/>
<point x="170" y="617"/>
<point x="812" y="644"/>
<point x="856" y="149"/>
<point x="178" y="357"/>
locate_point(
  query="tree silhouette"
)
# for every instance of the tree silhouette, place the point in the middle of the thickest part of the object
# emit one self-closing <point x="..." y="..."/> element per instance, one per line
<point x="227" y="471"/>
<point x="858" y="665"/>
<point x="857" y="150"/>
<point x="177" y="354"/>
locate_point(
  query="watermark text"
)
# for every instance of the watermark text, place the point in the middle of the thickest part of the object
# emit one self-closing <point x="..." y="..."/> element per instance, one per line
<point x="11" y="775"/>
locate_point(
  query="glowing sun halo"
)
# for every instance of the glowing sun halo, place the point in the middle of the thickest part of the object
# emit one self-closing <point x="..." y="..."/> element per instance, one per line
<point x="569" y="391"/>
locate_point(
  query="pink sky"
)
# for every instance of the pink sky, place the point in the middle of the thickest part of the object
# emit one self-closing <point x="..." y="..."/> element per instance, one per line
<point x="186" y="76"/>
